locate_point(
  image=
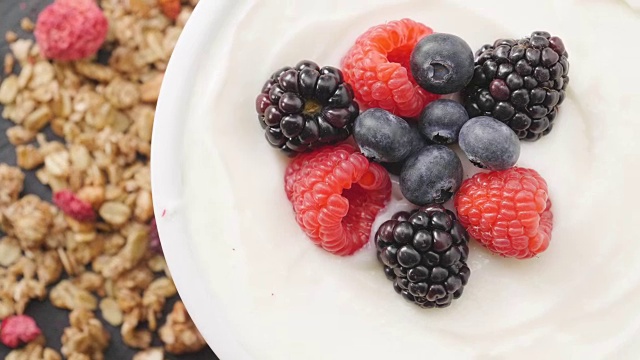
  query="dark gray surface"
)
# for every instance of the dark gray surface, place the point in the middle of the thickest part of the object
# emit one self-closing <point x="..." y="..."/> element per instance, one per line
<point x="53" y="320"/>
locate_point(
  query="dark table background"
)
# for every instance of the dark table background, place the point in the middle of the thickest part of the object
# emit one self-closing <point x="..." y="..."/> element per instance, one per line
<point x="50" y="319"/>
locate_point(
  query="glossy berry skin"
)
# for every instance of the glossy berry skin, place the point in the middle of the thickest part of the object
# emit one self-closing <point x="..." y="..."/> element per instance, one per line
<point x="507" y="211"/>
<point x="304" y="107"/>
<point x="424" y="253"/>
<point x="521" y="83"/>
<point x="441" y="121"/>
<point x="377" y="67"/>
<point x="385" y="137"/>
<point x="431" y="175"/>
<point x="489" y="143"/>
<point x="336" y="194"/>
<point x="442" y="63"/>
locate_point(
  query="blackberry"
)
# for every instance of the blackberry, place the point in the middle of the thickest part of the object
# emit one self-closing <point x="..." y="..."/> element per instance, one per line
<point x="424" y="253"/>
<point x="521" y="83"/>
<point x="304" y="107"/>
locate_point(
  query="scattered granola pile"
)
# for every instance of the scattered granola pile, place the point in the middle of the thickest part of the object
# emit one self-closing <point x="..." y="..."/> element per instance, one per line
<point x="93" y="249"/>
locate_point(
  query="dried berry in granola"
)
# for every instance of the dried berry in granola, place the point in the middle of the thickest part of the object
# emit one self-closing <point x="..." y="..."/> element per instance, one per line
<point x="18" y="329"/>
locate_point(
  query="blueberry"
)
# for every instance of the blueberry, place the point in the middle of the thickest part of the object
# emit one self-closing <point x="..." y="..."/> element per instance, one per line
<point x="432" y="175"/>
<point x="489" y="143"/>
<point x="442" y="63"/>
<point x="384" y="137"/>
<point x="441" y="121"/>
<point x="416" y="141"/>
<point x="393" y="168"/>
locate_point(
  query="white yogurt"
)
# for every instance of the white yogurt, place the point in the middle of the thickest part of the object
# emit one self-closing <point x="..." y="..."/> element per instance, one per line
<point x="288" y="299"/>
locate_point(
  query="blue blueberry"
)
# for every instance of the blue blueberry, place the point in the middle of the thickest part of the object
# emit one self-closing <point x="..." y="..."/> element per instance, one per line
<point x="416" y="141"/>
<point x="489" y="143"/>
<point x="385" y="137"/>
<point x="442" y="63"/>
<point x="442" y="120"/>
<point x="432" y="175"/>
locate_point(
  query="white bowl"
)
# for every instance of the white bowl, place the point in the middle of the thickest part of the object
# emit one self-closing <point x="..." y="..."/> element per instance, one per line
<point x="257" y="289"/>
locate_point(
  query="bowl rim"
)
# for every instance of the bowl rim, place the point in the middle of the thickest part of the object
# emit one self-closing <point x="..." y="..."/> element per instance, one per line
<point x="167" y="149"/>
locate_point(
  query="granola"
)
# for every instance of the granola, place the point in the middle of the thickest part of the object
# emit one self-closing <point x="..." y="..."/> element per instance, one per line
<point x="18" y="135"/>
<point x="12" y="180"/>
<point x="10" y="251"/>
<point x="85" y="335"/>
<point x="33" y="351"/>
<point x="28" y="157"/>
<point x="29" y="220"/>
<point x="67" y="295"/>
<point x="104" y="113"/>
<point x="9" y="63"/>
<point x="10" y="37"/>
<point x="179" y="334"/>
<point x="111" y="312"/>
<point x="150" y="354"/>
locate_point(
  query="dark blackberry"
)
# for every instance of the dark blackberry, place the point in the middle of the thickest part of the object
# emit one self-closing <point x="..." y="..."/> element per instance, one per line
<point x="305" y="106"/>
<point x="424" y="253"/>
<point x="520" y="82"/>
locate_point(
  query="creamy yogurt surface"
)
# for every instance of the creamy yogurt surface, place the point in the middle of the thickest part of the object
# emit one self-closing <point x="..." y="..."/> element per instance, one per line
<point x="288" y="299"/>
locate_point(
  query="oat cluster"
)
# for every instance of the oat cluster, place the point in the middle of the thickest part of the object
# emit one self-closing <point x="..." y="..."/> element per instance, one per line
<point x="94" y="266"/>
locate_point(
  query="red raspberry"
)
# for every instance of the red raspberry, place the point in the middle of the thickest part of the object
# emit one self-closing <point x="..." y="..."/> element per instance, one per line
<point x="336" y="194"/>
<point x="71" y="29"/>
<point x="154" y="237"/>
<point x="508" y="211"/>
<point x="377" y="68"/>
<point x="170" y="8"/>
<point x="73" y="206"/>
<point x="18" y="329"/>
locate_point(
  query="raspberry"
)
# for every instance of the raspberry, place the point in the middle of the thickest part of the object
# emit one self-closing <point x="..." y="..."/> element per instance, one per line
<point x="170" y="8"/>
<point x="73" y="206"/>
<point x="71" y="29"/>
<point x="377" y="68"/>
<point x="154" y="238"/>
<point x="508" y="211"/>
<point x="336" y="194"/>
<point x="18" y="329"/>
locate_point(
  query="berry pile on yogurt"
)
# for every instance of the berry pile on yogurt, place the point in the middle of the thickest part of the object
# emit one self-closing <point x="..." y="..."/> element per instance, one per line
<point x="390" y="111"/>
